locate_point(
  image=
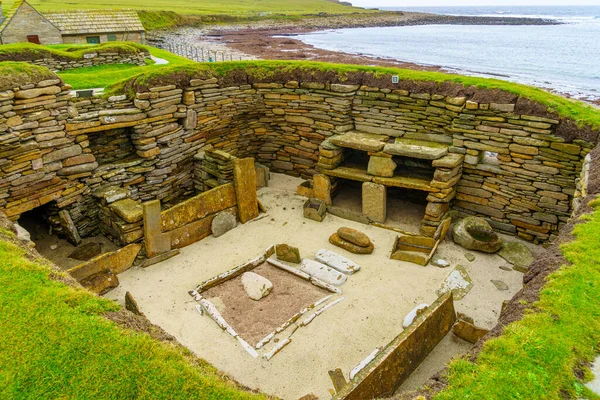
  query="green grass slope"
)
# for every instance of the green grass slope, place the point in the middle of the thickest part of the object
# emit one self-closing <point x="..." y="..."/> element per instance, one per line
<point x="536" y="357"/>
<point x="31" y="52"/>
<point x="56" y="345"/>
<point x="240" y="8"/>
<point x="106" y="75"/>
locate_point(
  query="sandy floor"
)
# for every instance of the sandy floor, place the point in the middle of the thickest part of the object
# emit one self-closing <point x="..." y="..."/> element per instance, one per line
<point x="376" y="299"/>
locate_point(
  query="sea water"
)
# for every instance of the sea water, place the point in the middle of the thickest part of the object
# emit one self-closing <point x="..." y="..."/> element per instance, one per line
<point x="565" y="58"/>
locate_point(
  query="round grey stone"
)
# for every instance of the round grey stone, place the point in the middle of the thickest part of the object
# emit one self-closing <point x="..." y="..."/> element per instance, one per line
<point x="223" y="223"/>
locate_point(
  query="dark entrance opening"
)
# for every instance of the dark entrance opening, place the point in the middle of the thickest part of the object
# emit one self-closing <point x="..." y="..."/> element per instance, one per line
<point x="36" y="222"/>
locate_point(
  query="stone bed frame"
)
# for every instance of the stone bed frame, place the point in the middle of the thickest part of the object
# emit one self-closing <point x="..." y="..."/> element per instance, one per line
<point x="206" y="306"/>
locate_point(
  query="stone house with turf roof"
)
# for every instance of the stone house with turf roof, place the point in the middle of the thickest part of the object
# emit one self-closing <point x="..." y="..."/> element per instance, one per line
<point x="23" y="23"/>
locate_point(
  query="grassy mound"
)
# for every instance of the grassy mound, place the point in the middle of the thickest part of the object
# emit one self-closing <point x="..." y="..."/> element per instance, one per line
<point x="56" y="344"/>
<point x="536" y="357"/>
<point x="31" y="52"/>
<point x="15" y="74"/>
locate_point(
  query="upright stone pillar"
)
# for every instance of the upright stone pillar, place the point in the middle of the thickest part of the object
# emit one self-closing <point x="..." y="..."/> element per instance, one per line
<point x="374" y="201"/>
<point x="156" y="242"/>
<point x="244" y="180"/>
<point x="322" y="188"/>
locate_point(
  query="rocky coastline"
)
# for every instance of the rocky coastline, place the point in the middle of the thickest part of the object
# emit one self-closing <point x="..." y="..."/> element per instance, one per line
<point x="277" y="39"/>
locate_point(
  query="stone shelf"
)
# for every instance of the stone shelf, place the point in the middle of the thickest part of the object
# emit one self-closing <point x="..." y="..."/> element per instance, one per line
<point x="360" y="141"/>
<point x="402" y="180"/>
<point x="407" y="181"/>
<point x="416" y="149"/>
<point x="352" y="173"/>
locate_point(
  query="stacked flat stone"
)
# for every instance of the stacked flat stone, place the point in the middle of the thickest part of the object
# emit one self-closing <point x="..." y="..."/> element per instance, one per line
<point x="39" y="163"/>
<point x="352" y="240"/>
<point x="89" y="60"/>
<point x="302" y="115"/>
<point x="50" y="146"/>
<point x="121" y="217"/>
<point x="213" y="168"/>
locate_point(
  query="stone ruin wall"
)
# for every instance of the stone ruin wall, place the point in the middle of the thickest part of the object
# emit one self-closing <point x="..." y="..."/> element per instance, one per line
<point x="88" y="60"/>
<point x="46" y="140"/>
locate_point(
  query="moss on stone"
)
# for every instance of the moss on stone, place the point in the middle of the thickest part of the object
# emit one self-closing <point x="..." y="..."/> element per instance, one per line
<point x="15" y="74"/>
<point x="31" y="52"/>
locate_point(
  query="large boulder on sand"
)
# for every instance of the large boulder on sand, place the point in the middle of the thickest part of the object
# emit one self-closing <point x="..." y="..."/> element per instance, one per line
<point x="256" y="286"/>
<point x="474" y="233"/>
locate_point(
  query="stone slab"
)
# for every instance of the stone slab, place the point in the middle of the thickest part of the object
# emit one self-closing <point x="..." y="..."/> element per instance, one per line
<point x="407" y="182"/>
<point x="352" y="173"/>
<point x="360" y="141"/>
<point x="244" y="179"/>
<point x="288" y="253"/>
<point x="323" y="272"/>
<point x="191" y="233"/>
<point x="69" y="227"/>
<point x="397" y="360"/>
<point x="381" y="166"/>
<point x="155" y="241"/>
<point x="101" y="282"/>
<point x="416" y="149"/>
<point x="469" y="332"/>
<point x="337" y="262"/>
<point x="374" y="201"/>
<point x="116" y="262"/>
<point x="223" y="223"/>
<point x="451" y="160"/>
<point x="322" y="188"/>
<point x="336" y="240"/>
<point x="210" y="202"/>
<point x="458" y="282"/>
<point x="128" y="209"/>
<point x="85" y="252"/>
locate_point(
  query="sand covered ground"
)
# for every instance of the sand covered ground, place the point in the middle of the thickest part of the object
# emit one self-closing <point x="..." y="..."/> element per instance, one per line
<point x="376" y="299"/>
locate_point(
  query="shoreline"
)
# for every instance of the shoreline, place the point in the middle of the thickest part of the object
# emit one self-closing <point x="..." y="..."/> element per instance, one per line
<point x="277" y="40"/>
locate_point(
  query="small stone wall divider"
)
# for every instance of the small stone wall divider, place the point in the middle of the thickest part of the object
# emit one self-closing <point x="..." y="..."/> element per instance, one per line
<point x="397" y="360"/>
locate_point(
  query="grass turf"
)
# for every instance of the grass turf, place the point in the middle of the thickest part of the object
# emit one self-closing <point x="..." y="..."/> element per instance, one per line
<point x="55" y="344"/>
<point x="199" y="7"/>
<point x="30" y="51"/>
<point x="15" y="74"/>
<point x="106" y="75"/>
<point x="536" y="357"/>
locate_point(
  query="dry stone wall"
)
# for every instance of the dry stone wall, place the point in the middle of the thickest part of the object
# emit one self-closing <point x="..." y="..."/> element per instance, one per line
<point x="88" y="60"/>
<point x="84" y="155"/>
<point x="91" y="60"/>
